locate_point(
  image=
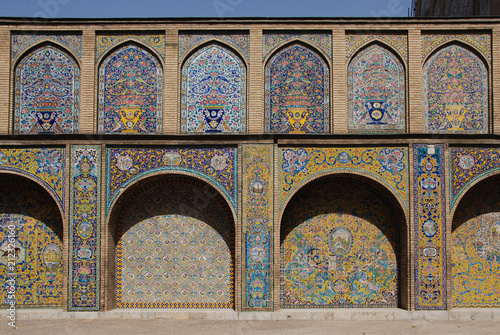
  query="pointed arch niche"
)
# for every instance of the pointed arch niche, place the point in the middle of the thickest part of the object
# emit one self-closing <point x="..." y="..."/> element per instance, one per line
<point x="213" y="96"/>
<point x="342" y="242"/>
<point x="47" y="92"/>
<point x="130" y="91"/>
<point x="297" y="93"/>
<point x="31" y="220"/>
<point x="475" y="256"/>
<point x="455" y="91"/>
<point x="174" y="239"/>
<point x="376" y="91"/>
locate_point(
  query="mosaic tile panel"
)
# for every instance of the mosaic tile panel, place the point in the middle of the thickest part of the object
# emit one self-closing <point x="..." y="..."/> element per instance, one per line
<point x="476" y="262"/>
<point x="240" y="41"/>
<point x="376" y="91"/>
<point x="297" y="98"/>
<point x="430" y="228"/>
<point x="398" y="42"/>
<point x="480" y="41"/>
<point x="272" y="41"/>
<point x="213" y="92"/>
<point x="130" y="92"/>
<point x="32" y="226"/>
<point x="47" y="93"/>
<point x="455" y="92"/>
<point x="125" y="165"/>
<point x="45" y="165"/>
<point x="468" y="165"/>
<point x="387" y="165"/>
<point x="258" y="227"/>
<point x="106" y="42"/>
<point x="84" y="228"/>
<point x="175" y="247"/>
<point x="22" y="42"/>
<point x="337" y="248"/>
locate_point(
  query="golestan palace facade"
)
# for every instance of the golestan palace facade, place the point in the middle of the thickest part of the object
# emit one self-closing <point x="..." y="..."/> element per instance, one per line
<point x="253" y="165"/>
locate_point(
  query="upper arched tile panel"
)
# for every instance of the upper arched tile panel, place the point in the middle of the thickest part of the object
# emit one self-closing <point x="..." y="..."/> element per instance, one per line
<point x="455" y="92"/>
<point x="398" y="42"/>
<point x="105" y="42"/>
<point x="240" y="41"/>
<point x="213" y="97"/>
<point x="130" y="92"/>
<point x="23" y="41"/>
<point x="47" y="92"/>
<point x="297" y="98"/>
<point x="275" y="40"/>
<point x="376" y="91"/>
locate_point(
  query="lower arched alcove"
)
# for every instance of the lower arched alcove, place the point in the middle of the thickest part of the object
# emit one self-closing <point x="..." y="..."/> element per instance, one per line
<point x="174" y="246"/>
<point x="475" y="262"/>
<point x="340" y="246"/>
<point x="31" y="234"/>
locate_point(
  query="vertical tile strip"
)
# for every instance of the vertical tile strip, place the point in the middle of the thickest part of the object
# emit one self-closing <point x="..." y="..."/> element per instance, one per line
<point x="257" y="227"/>
<point x="84" y="228"/>
<point x="430" y="227"/>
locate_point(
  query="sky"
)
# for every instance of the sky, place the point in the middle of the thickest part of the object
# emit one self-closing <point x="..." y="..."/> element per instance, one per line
<point x="203" y="8"/>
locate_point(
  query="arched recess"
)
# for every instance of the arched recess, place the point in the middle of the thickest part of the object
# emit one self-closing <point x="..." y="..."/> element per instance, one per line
<point x="172" y="245"/>
<point x="376" y="90"/>
<point x="31" y="244"/>
<point x="343" y="243"/>
<point x="130" y="91"/>
<point x="214" y="91"/>
<point x="456" y="90"/>
<point x="297" y="91"/>
<point x="47" y="91"/>
<point x="475" y="256"/>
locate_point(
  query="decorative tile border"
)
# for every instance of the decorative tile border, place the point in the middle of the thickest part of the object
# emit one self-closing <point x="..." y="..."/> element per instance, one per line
<point x="105" y="42"/>
<point x="240" y="41"/>
<point x="389" y="165"/>
<point x="258" y="234"/>
<point x="272" y="41"/>
<point x="84" y="228"/>
<point x="430" y="227"/>
<point x="398" y="42"/>
<point x="44" y="164"/>
<point x="125" y="165"/>
<point x="481" y="41"/>
<point x="22" y="42"/>
<point x="468" y="165"/>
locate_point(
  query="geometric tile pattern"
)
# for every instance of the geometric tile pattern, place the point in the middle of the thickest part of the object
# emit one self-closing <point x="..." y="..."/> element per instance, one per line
<point x="130" y="92"/>
<point x="297" y="92"/>
<point x="47" y="93"/>
<point x="125" y="165"/>
<point x="273" y="40"/>
<point x="106" y="42"/>
<point x="258" y="197"/>
<point x="239" y="41"/>
<point x="469" y="164"/>
<point x="398" y="42"/>
<point x="23" y="41"/>
<point x="481" y="41"/>
<point x="30" y="245"/>
<point x="376" y="91"/>
<point x="338" y="248"/>
<point x="476" y="262"/>
<point x="430" y="227"/>
<point x="455" y="92"/>
<point x="84" y="228"/>
<point x="46" y="165"/>
<point x="213" y="97"/>
<point x="388" y="165"/>
<point x="175" y="247"/>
